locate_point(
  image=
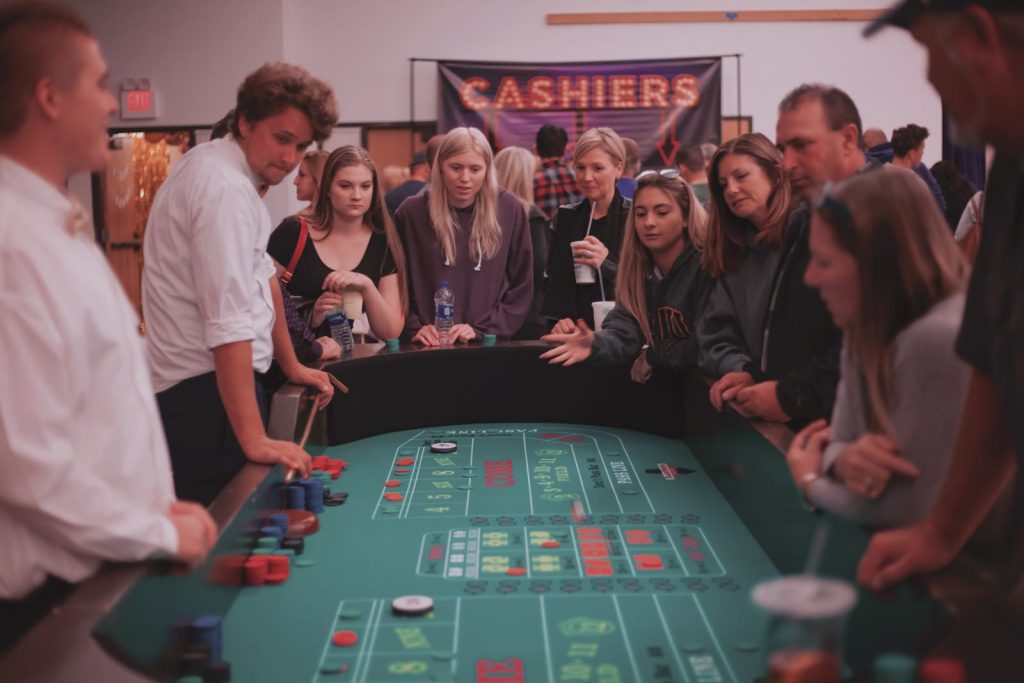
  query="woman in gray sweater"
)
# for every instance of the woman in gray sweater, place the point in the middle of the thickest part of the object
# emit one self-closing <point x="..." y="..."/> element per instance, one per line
<point x="748" y="214"/>
<point x="893" y="280"/>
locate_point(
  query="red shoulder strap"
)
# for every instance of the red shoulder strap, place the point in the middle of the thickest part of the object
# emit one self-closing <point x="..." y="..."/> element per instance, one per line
<point x="300" y="244"/>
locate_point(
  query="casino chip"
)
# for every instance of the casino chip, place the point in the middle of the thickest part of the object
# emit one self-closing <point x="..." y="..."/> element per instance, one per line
<point x="443" y="447"/>
<point x="345" y="638"/>
<point x="412" y="604"/>
<point x="578" y="513"/>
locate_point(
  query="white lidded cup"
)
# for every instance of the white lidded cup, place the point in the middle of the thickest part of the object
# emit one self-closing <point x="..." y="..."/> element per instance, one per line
<point x="806" y="627"/>
<point x="601" y="309"/>
<point x="585" y="275"/>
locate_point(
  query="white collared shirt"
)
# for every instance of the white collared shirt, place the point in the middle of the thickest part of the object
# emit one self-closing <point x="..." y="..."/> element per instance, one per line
<point x="206" y="278"/>
<point x="84" y="471"/>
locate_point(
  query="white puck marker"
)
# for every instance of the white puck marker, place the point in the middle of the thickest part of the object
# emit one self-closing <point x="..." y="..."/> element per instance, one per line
<point x="412" y="604"/>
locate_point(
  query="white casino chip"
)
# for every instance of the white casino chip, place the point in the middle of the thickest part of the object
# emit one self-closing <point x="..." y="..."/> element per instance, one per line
<point x="412" y="604"/>
<point x="443" y="447"/>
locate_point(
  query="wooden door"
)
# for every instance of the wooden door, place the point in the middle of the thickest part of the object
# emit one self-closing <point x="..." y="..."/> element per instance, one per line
<point x="139" y="164"/>
<point x="391" y="146"/>
<point x="122" y="235"/>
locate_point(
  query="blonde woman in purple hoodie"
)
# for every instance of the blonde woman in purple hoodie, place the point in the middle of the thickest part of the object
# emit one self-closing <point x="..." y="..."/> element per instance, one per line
<point x="466" y="231"/>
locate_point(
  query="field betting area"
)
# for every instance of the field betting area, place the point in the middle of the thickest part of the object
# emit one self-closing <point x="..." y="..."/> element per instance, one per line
<point x="651" y="584"/>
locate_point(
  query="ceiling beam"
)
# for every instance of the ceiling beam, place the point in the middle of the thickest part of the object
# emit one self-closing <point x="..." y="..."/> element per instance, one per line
<point x="578" y="18"/>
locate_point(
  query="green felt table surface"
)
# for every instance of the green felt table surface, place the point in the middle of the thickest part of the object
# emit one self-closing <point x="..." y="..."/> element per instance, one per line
<point x="652" y="584"/>
<point x="659" y="560"/>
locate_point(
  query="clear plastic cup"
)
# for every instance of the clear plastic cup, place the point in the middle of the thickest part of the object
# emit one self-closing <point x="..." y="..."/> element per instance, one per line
<point x="805" y="632"/>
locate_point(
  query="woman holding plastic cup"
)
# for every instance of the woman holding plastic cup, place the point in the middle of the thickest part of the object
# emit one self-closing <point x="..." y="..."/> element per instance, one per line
<point x="347" y="254"/>
<point x="893" y="280"/>
<point x="584" y="255"/>
<point x="661" y="290"/>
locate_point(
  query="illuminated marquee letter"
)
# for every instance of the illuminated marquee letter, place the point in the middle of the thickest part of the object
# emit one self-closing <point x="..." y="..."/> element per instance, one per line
<point x="469" y="93"/>
<point x="600" y="92"/>
<point x="538" y="91"/>
<point x="686" y="91"/>
<point x="623" y="92"/>
<point x="654" y="92"/>
<point x="567" y="92"/>
<point x="508" y="96"/>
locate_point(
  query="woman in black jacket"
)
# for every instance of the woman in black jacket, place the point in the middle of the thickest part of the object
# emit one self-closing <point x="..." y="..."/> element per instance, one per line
<point x="661" y="292"/>
<point x="583" y="261"/>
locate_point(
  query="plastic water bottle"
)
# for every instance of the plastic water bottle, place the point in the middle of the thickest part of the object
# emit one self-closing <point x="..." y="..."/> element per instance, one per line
<point x="444" y="312"/>
<point x="341" y="331"/>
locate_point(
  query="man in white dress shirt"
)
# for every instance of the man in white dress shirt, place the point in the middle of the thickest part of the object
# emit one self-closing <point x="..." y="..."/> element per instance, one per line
<point x="213" y="309"/>
<point x="84" y="469"/>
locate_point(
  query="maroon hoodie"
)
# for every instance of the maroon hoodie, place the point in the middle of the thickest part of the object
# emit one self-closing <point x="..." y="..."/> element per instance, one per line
<point x="494" y="299"/>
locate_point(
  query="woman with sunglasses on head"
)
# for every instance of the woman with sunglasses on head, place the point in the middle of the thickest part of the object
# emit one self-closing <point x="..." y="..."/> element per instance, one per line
<point x="893" y="280"/>
<point x="661" y="289"/>
<point x="468" y="232"/>
<point x="348" y="242"/>
<point x="584" y="255"/>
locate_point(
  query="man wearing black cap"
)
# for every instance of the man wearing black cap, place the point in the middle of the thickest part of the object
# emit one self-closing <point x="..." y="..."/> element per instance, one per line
<point x="976" y="62"/>
<point x="419" y="174"/>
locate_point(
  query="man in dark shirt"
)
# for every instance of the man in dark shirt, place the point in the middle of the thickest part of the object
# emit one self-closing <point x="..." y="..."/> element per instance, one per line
<point x="976" y="62"/>
<point x="419" y="174"/>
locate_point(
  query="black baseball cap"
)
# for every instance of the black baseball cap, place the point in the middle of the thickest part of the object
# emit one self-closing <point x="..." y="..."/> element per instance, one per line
<point x="417" y="159"/>
<point x="902" y="14"/>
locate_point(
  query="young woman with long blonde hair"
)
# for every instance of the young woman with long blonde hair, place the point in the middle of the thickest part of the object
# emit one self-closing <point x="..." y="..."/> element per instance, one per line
<point x="468" y="232"/>
<point x="516" y="167"/>
<point x="893" y="280"/>
<point x="347" y="242"/>
<point x="661" y="291"/>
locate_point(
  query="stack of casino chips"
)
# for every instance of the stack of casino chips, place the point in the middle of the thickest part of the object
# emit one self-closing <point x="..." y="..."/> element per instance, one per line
<point x="199" y="650"/>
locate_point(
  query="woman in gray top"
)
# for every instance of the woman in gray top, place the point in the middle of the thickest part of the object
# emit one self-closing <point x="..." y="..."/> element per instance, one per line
<point x="893" y="280"/>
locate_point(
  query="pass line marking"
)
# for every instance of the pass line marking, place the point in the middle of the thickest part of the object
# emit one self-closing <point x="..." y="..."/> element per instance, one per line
<point x="373" y="627"/>
<point x="625" y="638"/>
<point x="420" y="454"/>
<point x="671" y="640"/>
<point x="529" y="474"/>
<point x="629" y="459"/>
<point x="547" y="641"/>
<point x="714" y="638"/>
<point x="469" y="493"/>
<point x="380" y="501"/>
<point x="583" y="483"/>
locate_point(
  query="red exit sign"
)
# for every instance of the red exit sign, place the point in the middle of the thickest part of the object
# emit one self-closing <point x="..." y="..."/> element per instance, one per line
<point x="137" y="104"/>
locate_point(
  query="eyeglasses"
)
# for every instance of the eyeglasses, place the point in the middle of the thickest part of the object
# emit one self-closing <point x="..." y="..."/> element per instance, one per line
<point x="664" y="173"/>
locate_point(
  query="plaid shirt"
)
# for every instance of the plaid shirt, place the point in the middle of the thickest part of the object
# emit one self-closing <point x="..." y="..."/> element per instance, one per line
<point x="554" y="185"/>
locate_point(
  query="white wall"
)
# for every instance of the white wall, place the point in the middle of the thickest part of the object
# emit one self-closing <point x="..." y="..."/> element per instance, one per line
<point x="196" y="52"/>
<point x="368" y="64"/>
